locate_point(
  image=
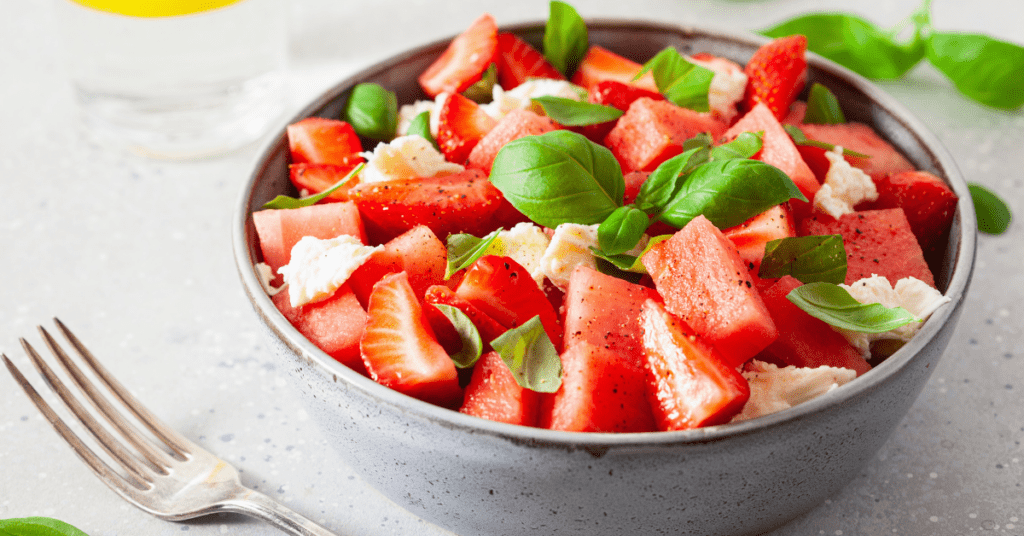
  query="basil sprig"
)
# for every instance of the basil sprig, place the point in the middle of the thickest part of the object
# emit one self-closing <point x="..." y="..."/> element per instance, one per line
<point x="574" y="113"/>
<point x="283" y="201"/>
<point x="482" y="91"/>
<point x="372" y="111"/>
<point x="985" y="69"/>
<point x="823" y="107"/>
<point x="799" y="138"/>
<point x="472" y="346"/>
<point x="681" y="82"/>
<point x="992" y="213"/>
<point x="420" y="126"/>
<point x="664" y="182"/>
<point x="809" y="259"/>
<point x="465" y="249"/>
<point x="565" y="38"/>
<point x="530" y="355"/>
<point x="835" y="306"/>
<point x="746" y="145"/>
<point x="38" y="526"/>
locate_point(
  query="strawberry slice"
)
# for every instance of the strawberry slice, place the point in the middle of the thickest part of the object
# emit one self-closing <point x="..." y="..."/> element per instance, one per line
<point x="315" y="178"/>
<point x="488" y="327"/>
<point x="464" y="202"/>
<point x="602" y="64"/>
<point x="776" y="74"/>
<point x="518" y="61"/>
<point x="461" y="125"/>
<point x="494" y="394"/>
<point x="399" y="348"/>
<point x="465" y="59"/>
<point x="928" y="203"/>
<point x="504" y="290"/>
<point x="319" y="140"/>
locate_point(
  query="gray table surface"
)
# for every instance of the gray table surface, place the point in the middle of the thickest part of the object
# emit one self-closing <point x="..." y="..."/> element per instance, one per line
<point x="135" y="256"/>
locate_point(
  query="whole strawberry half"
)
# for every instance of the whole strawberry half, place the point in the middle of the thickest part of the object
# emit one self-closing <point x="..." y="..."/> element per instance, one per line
<point x="776" y="74"/>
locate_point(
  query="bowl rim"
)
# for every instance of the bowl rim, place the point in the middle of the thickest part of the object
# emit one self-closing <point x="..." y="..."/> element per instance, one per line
<point x="961" y="273"/>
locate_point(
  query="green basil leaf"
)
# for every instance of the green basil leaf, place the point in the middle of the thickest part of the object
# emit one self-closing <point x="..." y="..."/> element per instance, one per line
<point x="985" y="69"/>
<point x="746" y="145"/>
<point x="420" y="126"/>
<point x="630" y="263"/>
<point x="472" y="346"/>
<point x="37" y="526"/>
<point x="663" y="183"/>
<point x="835" y="306"/>
<point x="855" y="43"/>
<point x="799" y="138"/>
<point x="530" y="356"/>
<point x="622" y="230"/>
<point x="559" y="177"/>
<point x="823" y="107"/>
<point x="482" y="91"/>
<point x="465" y="249"/>
<point x="283" y="201"/>
<point x="992" y="213"/>
<point x="575" y="113"/>
<point x="681" y="82"/>
<point x="809" y="259"/>
<point x="702" y="139"/>
<point x="565" y="38"/>
<point x="729" y="192"/>
<point x="372" y="111"/>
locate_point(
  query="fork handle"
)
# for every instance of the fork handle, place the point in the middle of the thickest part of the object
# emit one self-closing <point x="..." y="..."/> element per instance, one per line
<point x="258" y="505"/>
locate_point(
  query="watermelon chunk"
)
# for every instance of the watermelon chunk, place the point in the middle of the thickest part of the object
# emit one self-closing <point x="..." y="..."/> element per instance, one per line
<point x="751" y="236"/>
<point x="515" y="125"/>
<point x="926" y="200"/>
<point x="885" y="159"/>
<point x="653" y="131"/>
<point x="334" y="325"/>
<point x="280" y="229"/>
<point x="417" y="252"/>
<point x="494" y="394"/>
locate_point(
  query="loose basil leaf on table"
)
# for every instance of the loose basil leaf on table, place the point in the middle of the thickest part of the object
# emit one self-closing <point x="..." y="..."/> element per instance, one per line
<point x="465" y="249"/>
<point x="37" y="526"/>
<point x="746" y="145"/>
<point x="565" y="38"/>
<point x="823" y="107"/>
<point x="985" y="69"/>
<point x="284" y="201"/>
<point x="574" y="113"/>
<point x="680" y="81"/>
<point x="559" y="177"/>
<point x="835" y="306"/>
<point x="420" y="126"/>
<point x="992" y="213"/>
<point x="622" y="230"/>
<point x="472" y="346"/>
<point x="530" y="355"/>
<point x="372" y="111"/>
<point x="799" y="138"/>
<point x="809" y="259"/>
<point x="482" y="91"/>
<point x="664" y="182"/>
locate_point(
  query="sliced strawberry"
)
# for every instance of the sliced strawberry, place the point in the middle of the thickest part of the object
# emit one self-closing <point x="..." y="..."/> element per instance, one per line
<point x="488" y="327"/>
<point x="464" y="202"/>
<point x="928" y="203"/>
<point x="399" y="349"/>
<point x="689" y="384"/>
<point x="461" y="125"/>
<point x="465" y="59"/>
<point x="601" y="64"/>
<point x="494" y="394"/>
<point x="776" y="74"/>
<point x="315" y="178"/>
<point x="518" y="61"/>
<point x="504" y="290"/>
<point x="318" y="140"/>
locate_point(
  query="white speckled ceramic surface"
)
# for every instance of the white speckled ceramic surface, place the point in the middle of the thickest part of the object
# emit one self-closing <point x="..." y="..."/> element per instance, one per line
<point x="136" y="257"/>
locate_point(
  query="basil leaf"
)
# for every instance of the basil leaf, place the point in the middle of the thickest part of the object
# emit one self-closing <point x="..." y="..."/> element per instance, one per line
<point x="573" y="113"/>
<point x="622" y="230"/>
<point x="702" y="139"/>
<point x="37" y="526"/>
<point x="729" y="192"/>
<point x="559" y="177"/>
<point x="420" y="126"/>
<point x="992" y="213"/>
<point x="823" y="107"/>
<point x="372" y="111"/>
<point x="855" y="43"/>
<point x="809" y="259"/>
<point x="529" y="354"/>
<point x="799" y="138"/>
<point x="681" y="82"/>
<point x="472" y="346"/>
<point x="630" y="263"/>
<point x="465" y="249"/>
<point x="746" y="145"/>
<point x="985" y="69"/>
<point x="663" y="183"/>
<point x="482" y="91"/>
<point x="565" y="38"/>
<point x="283" y="201"/>
<point x="835" y="306"/>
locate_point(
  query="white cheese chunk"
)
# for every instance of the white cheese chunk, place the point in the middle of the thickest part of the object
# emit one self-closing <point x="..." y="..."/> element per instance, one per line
<point x="727" y="86"/>
<point x="570" y="246"/>
<point x="845" y="186"/>
<point x="407" y="157"/>
<point x="910" y="293"/>
<point x="318" y="267"/>
<point x="408" y="112"/>
<point x="774" y="389"/>
<point x="521" y="96"/>
<point x="526" y="243"/>
<point x="266" y="275"/>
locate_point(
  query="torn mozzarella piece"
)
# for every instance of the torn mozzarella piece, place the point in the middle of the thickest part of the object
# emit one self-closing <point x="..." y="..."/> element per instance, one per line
<point x="727" y="86"/>
<point x="526" y="244"/>
<point x="408" y="112"/>
<point x="521" y="96"/>
<point x="407" y="157"/>
<point x="910" y="293"/>
<point x="570" y="246"/>
<point x="319" y="267"/>
<point x="774" y="389"/>
<point x="845" y="186"/>
<point x="266" y="275"/>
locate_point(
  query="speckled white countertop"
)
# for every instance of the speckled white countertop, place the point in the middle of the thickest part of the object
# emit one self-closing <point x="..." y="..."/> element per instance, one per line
<point x="135" y="256"/>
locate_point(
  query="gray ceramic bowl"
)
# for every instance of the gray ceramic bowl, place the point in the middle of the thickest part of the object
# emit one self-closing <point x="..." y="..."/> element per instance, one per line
<point x="478" y="477"/>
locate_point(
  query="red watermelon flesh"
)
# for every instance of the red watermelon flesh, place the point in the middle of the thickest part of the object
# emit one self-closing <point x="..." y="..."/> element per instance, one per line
<point x="751" y="236"/>
<point x="334" y="324"/>
<point x="515" y="125"/>
<point x="418" y="252"/>
<point x="928" y="203"/>
<point x="653" y="131"/>
<point x="885" y="159"/>
<point x="704" y="282"/>
<point x="280" y="229"/>
<point x="877" y="242"/>
<point x="494" y="394"/>
<point x="805" y="341"/>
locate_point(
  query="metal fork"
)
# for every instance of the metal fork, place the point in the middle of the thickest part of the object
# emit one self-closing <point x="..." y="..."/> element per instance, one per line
<point x="171" y="478"/>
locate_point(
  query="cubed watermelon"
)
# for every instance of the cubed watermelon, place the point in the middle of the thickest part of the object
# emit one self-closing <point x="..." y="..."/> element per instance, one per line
<point x="751" y="236"/>
<point x="926" y="200"/>
<point x="515" y="125"/>
<point x="280" y="229"/>
<point x="653" y="131"/>
<point x="494" y="394"/>
<point x="417" y="252"/>
<point x="334" y="325"/>
<point x="885" y="159"/>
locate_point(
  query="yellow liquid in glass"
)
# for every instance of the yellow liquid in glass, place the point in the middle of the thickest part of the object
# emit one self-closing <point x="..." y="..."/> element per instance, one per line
<point x="155" y="8"/>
